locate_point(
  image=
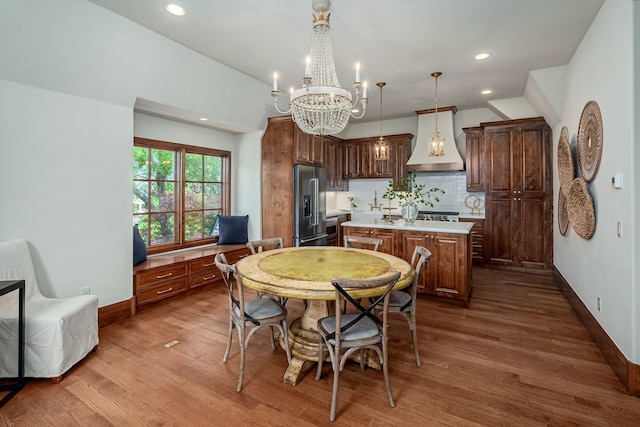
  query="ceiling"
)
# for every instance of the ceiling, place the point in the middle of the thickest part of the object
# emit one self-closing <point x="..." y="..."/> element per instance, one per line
<point x="400" y="42"/>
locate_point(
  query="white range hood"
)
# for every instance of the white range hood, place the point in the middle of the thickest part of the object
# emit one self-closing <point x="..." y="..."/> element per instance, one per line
<point x="420" y="160"/>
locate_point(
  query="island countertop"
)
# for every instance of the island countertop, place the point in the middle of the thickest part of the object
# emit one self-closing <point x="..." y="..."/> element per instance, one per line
<point x="418" y="225"/>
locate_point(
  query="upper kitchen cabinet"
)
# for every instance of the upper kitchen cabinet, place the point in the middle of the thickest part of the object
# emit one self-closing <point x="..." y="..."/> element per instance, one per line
<point x="360" y="161"/>
<point x="334" y="164"/>
<point x="475" y="180"/>
<point x="518" y="157"/>
<point x="516" y="161"/>
<point x="356" y="159"/>
<point x="307" y="149"/>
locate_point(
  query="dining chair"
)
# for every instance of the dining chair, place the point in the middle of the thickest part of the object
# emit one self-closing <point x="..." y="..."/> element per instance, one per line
<point x="360" y="242"/>
<point x="404" y="301"/>
<point x="254" y="314"/>
<point x="372" y="243"/>
<point x="259" y="246"/>
<point x="357" y="331"/>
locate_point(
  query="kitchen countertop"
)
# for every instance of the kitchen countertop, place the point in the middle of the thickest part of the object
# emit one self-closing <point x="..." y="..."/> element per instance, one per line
<point x="419" y="225"/>
<point x="371" y="214"/>
<point x="471" y="216"/>
<point x="336" y="213"/>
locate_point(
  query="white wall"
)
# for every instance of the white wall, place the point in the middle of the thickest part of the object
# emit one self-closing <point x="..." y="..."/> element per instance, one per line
<point x="65" y="184"/>
<point x="247" y="181"/>
<point x="70" y="76"/>
<point x="606" y="266"/>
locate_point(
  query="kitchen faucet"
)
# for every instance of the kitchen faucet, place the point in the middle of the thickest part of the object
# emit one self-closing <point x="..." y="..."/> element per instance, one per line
<point x="375" y="204"/>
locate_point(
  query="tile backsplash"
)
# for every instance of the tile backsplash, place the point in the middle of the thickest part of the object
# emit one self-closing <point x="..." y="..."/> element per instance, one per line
<point x="364" y="191"/>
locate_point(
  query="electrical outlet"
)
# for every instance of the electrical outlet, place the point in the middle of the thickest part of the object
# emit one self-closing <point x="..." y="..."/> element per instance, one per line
<point x="599" y="304"/>
<point x="85" y="291"/>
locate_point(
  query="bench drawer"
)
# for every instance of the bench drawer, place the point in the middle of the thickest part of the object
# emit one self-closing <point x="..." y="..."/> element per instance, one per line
<point x="156" y="276"/>
<point x="164" y="290"/>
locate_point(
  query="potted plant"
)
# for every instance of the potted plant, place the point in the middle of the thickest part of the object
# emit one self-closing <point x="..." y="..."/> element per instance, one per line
<point x="410" y="198"/>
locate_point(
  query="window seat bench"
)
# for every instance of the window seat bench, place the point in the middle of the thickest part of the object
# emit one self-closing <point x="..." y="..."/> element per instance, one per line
<point x="165" y="275"/>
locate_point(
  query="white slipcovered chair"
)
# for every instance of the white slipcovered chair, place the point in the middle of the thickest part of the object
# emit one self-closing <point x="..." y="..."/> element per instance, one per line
<point x="59" y="332"/>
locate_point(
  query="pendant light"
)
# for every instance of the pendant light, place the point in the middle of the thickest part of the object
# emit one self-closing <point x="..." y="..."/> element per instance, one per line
<point x="436" y="146"/>
<point x="381" y="146"/>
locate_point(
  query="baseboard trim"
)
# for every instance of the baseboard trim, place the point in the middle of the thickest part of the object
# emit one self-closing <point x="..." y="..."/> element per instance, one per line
<point x="625" y="370"/>
<point x="114" y="312"/>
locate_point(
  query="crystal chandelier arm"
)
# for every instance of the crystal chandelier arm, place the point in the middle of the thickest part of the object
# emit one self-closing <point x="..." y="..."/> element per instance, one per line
<point x="364" y="99"/>
<point x="364" y="108"/>
<point x="275" y="94"/>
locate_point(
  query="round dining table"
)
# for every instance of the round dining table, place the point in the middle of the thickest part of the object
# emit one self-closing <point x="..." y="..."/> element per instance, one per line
<point x="306" y="273"/>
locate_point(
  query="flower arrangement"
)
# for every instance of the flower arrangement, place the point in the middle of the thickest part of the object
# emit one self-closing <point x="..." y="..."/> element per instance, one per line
<point x="414" y="193"/>
<point x="352" y="202"/>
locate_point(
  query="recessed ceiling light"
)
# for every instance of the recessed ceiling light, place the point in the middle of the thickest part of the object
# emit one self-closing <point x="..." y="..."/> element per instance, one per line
<point x="204" y="119"/>
<point x="487" y="92"/>
<point x="174" y="9"/>
<point x="482" y="56"/>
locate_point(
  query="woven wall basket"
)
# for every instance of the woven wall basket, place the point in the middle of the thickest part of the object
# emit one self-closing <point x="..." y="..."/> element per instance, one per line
<point x="566" y="165"/>
<point x="582" y="216"/>
<point x="589" y="141"/>
<point x="563" y="214"/>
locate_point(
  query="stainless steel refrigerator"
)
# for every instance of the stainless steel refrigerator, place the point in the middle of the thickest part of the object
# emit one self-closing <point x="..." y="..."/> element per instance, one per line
<point x="309" y="206"/>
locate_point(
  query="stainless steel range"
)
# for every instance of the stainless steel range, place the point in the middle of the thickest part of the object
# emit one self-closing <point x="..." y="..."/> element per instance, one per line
<point x="438" y="216"/>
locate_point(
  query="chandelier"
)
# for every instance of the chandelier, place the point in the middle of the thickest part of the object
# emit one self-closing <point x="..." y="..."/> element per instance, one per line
<point x="381" y="145"/>
<point x="436" y="146"/>
<point x="321" y="106"/>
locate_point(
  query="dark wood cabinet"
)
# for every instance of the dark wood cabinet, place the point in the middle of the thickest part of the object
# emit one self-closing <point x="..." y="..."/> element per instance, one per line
<point x="448" y="273"/>
<point x="356" y="159"/>
<point x="167" y="275"/>
<point x="519" y="193"/>
<point x="277" y="179"/>
<point x="387" y="236"/>
<point x="341" y="218"/>
<point x="477" y="239"/>
<point x="334" y="164"/>
<point x="474" y="161"/>
<point x="360" y="162"/>
<point x="307" y="149"/>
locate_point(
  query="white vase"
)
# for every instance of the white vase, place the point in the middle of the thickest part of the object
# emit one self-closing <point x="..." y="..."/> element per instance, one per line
<point x="410" y="211"/>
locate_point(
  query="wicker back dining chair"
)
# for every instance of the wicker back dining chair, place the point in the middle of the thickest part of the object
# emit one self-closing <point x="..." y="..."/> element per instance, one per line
<point x="253" y="314"/>
<point x="357" y="331"/>
<point x="360" y="242"/>
<point x="404" y="300"/>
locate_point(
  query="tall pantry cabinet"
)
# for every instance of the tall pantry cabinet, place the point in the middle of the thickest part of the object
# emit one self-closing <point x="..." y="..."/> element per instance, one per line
<point x="517" y="174"/>
<point x="283" y="144"/>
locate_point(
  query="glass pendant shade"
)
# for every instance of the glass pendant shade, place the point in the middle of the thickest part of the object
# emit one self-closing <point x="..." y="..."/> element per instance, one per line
<point x="381" y="150"/>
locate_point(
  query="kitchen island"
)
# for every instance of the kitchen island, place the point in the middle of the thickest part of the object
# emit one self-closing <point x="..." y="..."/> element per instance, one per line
<point x="448" y="273"/>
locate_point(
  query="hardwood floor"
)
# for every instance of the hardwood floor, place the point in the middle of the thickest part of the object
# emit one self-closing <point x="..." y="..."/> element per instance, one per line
<point x="517" y="356"/>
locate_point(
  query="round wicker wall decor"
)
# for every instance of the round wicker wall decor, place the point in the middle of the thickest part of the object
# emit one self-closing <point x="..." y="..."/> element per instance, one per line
<point x="566" y="166"/>
<point x="582" y="216"/>
<point x="589" y="145"/>
<point x="563" y="214"/>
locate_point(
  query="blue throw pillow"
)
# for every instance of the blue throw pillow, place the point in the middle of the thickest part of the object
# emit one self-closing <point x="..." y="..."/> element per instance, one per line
<point x="233" y="229"/>
<point x="139" y="248"/>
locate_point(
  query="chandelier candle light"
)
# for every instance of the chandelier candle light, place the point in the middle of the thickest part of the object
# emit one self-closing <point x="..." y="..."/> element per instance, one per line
<point x="321" y="106"/>
<point x="436" y="146"/>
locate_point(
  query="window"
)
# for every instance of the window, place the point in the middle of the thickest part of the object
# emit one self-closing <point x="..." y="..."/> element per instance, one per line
<point x="178" y="192"/>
